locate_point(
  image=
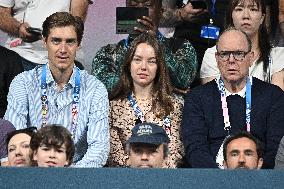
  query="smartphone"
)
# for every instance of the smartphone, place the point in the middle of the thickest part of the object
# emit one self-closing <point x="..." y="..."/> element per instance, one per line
<point x="198" y="4"/>
<point x="126" y="19"/>
<point x="34" y="31"/>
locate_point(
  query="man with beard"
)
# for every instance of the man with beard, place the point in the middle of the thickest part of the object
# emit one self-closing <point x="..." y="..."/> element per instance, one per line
<point x="242" y="151"/>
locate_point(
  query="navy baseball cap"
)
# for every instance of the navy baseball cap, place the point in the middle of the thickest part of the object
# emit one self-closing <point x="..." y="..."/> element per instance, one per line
<point x="148" y="133"/>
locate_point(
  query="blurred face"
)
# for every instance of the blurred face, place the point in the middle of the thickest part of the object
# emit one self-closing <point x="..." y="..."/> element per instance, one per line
<point x="247" y="17"/>
<point x="146" y="156"/>
<point x="233" y="58"/>
<point x="47" y="156"/>
<point x="61" y="45"/>
<point x="143" y="66"/>
<point x="242" y="154"/>
<point x="150" y="4"/>
<point x="19" y="150"/>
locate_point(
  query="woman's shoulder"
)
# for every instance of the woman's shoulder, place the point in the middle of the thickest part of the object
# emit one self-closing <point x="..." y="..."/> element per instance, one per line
<point x="277" y="56"/>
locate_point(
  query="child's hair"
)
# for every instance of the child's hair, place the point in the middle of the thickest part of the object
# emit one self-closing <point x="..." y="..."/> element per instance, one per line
<point x="53" y="136"/>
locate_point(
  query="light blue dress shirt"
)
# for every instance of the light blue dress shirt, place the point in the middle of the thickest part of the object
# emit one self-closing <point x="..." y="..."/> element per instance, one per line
<point x="92" y="132"/>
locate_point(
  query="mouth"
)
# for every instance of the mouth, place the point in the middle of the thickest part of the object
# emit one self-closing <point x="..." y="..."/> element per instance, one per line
<point x="142" y="75"/>
<point x="19" y="161"/>
<point x="145" y="166"/>
<point x="51" y="164"/>
<point x="232" y="71"/>
<point x="245" y="25"/>
<point x="62" y="58"/>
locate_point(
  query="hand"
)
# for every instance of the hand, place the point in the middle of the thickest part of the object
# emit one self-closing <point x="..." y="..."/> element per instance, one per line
<point x="187" y="13"/>
<point x="149" y="26"/>
<point x="25" y="35"/>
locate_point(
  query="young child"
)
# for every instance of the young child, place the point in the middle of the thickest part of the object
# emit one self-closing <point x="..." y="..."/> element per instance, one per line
<point x="52" y="146"/>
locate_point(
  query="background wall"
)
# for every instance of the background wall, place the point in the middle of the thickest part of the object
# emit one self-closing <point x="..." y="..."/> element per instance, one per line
<point x="99" y="28"/>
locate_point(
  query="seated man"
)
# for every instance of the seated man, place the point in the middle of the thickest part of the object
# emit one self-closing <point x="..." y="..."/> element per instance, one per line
<point x="148" y="146"/>
<point x="19" y="16"/>
<point x="180" y="56"/>
<point x="231" y="103"/>
<point x="59" y="93"/>
<point x="242" y="151"/>
<point x="52" y="146"/>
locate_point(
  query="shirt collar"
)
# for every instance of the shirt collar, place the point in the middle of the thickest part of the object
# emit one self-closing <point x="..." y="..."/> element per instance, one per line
<point x="50" y="79"/>
<point x="241" y="93"/>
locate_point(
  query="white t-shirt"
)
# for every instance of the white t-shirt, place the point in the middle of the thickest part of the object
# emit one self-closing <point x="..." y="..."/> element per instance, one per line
<point x="209" y="65"/>
<point x="33" y="12"/>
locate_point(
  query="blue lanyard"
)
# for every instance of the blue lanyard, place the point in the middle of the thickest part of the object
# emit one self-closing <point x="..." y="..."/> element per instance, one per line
<point x="221" y="88"/>
<point x="139" y="114"/>
<point x="75" y="102"/>
<point x="213" y="10"/>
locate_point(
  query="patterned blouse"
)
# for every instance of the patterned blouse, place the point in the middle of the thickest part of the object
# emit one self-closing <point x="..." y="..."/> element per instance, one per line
<point x="122" y="119"/>
<point x="180" y="58"/>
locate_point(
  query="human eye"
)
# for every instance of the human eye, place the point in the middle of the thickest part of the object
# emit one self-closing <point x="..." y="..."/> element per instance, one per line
<point x="234" y="154"/>
<point x="11" y="149"/>
<point x="26" y="145"/>
<point x="44" y="148"/>
<point x="249" y="153"/>
<point x="136" y="59"/>
<point x="238" y="8"/>
<point x="55" y="41"/>
<point x="152" y="61"/>
<point x="71" y="42"/>
<point x="224" y="54"/>
<point x="239" y="55"/>
<point x="137" y="150"/>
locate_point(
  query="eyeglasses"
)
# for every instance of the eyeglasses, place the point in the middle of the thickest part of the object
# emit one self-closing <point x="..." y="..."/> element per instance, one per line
<point x="238" y="55"/>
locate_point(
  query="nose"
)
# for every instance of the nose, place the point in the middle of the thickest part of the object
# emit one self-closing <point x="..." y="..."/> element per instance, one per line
<point x="144" y="65"/>
<point x="231" y="58"/>
<point x="18" y="152"/>
<point x="63" y="47"/>
<point x="144" y="156"/>
<point x="52" y="153"/>
<point x="246" y="13"/>
<point x="242" y="158"/>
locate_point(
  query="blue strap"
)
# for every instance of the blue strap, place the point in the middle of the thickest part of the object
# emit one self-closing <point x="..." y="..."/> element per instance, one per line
<point x="221" y="88"/>
<point x="139" y="114"/>
<point x="75" y="101"/>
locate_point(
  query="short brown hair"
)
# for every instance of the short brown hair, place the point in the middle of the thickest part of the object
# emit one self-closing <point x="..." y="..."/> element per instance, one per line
<point x="63" y="19"/>
<point x="54" y="136"/>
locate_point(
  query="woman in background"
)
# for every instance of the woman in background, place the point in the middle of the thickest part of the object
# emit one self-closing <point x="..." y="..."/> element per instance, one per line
<point x="19" y="147"/>
<point x="144" y="94"/>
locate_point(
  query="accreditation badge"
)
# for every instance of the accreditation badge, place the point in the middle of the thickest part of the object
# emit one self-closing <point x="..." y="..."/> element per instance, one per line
<point x="210" y="32"/>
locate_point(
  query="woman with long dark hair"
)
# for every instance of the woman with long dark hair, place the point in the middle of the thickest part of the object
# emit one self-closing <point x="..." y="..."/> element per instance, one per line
<point x="144" y="93"/>
<point x="249" y="16"/>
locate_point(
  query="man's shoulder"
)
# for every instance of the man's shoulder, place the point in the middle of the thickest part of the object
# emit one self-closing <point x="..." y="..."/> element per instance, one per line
<point x="204" y="91"/>
<point x="262" y="86"/>
<point x="28" y="76"/>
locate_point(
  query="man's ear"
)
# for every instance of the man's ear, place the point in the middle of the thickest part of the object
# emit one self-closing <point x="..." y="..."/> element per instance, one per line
<point x="260" y="162"/>
<point x="44" y="41"/>
<point x="225" y="164"/>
